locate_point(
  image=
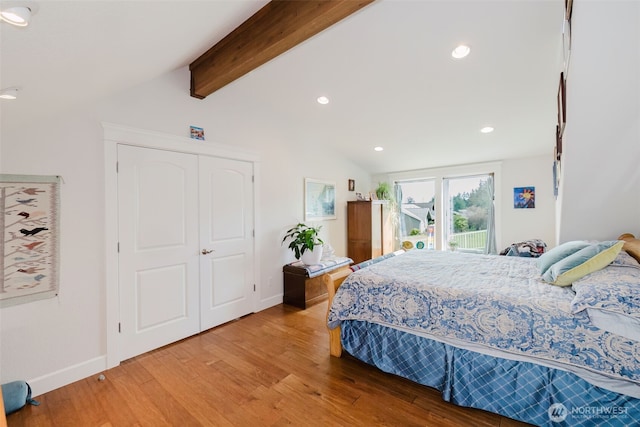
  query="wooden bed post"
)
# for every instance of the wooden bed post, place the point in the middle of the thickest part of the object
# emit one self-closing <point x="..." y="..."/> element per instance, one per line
<point x="333" y="282"/>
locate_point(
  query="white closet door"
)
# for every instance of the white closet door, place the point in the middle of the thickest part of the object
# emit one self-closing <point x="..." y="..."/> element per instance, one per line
<point x="159" y="251"/>
<point x="226" y="238"/>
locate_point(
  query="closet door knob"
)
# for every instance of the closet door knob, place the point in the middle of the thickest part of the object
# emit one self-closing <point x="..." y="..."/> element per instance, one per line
<point x="205" y="251"/>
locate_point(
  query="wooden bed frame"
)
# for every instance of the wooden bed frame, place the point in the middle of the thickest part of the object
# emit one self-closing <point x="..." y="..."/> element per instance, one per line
<point x="3" y="418"/>
<point x="333" y="282"/>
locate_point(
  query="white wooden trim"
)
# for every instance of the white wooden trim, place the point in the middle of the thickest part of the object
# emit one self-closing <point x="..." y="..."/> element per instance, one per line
<point x="51" y="381"/>
<point x="151" y="139"/>
<point x="111" y="253"/>
<point x="114" y="135"/>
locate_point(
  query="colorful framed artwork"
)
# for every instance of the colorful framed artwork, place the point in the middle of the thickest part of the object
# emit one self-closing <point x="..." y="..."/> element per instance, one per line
<point x="319" y="199"/>
<point x="524" y="197"/>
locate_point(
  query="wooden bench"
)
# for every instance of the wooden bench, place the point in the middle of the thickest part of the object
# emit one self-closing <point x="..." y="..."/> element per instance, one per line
<point x="302" y="291"/>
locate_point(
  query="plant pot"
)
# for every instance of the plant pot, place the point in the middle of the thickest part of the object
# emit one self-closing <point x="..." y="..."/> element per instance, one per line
<point x="312" y="257"/>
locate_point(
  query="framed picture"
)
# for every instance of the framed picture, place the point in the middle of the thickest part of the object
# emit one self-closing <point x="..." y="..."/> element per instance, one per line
<point x="197" y="133"/>
<point x="558" y="149"/>
<point x="524" y="197"/>
<point x="29" y="253"/>
<point x="352" y="185"/>
<point x="568" y="8"/>
<point x="319" y="199"/>
<point x="555" y="179"/>
<point x="566" y="46"/>
<point x="562" y="104"/>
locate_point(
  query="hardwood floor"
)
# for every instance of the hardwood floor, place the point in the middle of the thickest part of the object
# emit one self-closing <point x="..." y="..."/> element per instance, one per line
<point x="267" y="369"/>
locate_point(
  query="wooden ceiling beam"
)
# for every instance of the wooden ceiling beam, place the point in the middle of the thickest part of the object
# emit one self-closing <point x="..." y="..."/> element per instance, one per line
<point x="274" y="29"/>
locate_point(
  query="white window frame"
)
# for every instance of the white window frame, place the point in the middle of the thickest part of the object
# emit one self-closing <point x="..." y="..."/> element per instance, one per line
<point x="438" y="175"/>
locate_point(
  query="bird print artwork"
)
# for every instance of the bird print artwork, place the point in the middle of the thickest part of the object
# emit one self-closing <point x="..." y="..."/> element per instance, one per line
<point x="32" y="232"/>
<point x="30" y="270"/>
<point x="30" y="229"/>
<point x="25" y="201"/>
<point x="32" y="191"/>
<point x="30" y="246"/>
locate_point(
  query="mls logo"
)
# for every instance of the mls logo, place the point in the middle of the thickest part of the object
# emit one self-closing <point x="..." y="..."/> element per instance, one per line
<point x="557" y="412"/>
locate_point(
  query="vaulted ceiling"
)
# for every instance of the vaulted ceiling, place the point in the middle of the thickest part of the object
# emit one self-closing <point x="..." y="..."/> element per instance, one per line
<point x="386" y="69"/>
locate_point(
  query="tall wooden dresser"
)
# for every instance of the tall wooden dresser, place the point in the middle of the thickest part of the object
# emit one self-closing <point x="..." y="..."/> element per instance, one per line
<point x="369" y="230"/>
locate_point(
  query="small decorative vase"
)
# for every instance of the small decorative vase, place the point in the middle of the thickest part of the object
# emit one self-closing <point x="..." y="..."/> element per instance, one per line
<point x="312" y="257"/>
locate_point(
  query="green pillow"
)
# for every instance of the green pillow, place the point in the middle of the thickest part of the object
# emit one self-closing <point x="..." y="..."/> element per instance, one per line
<point x="554" y="255"/>
<point x="587" y="260"/>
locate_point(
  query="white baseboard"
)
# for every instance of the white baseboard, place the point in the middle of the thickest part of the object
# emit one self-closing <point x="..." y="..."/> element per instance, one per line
<point x="270" y="302"/>
<point x="54" y="380"/>
<point x="45" y="383"/>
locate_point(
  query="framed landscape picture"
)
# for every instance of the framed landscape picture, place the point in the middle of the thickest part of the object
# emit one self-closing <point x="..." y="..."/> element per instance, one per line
<point x="319" y="199"/>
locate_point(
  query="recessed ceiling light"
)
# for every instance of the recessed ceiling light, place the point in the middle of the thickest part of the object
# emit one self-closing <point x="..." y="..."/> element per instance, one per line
<point x="323" y="100"/>
<point x="461" y="51"/>
<point x="9" y="93"/>
<point x="378" y="148"/>
<point x="486" y="129"/>
<point x="18" y="16"/>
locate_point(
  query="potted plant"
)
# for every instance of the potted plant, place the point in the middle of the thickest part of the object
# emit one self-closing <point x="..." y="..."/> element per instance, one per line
<point x="383" y="192"/>
<point x="305" y="243"/>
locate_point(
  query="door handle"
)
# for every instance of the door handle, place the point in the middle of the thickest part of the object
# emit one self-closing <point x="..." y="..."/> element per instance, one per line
<point x="206" y="252"/>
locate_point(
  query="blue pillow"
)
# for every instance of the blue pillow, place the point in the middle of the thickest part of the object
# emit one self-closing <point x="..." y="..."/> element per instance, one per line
<point x="558" y="253"/>
<point x="592" y="258"/>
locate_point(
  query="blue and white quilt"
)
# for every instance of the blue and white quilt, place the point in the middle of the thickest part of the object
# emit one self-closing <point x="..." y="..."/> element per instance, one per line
<point x="496" y="302"/>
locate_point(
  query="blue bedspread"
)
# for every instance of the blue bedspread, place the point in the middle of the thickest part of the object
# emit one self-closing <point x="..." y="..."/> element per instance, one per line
<point x="497" y="302"/>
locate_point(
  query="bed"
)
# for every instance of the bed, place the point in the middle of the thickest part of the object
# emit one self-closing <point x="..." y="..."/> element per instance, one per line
<point x="490" y="333"/>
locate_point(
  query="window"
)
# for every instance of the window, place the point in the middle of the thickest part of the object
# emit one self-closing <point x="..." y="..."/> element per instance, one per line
<point x="457" y="212"/>
<point x="417" y="212"/>
<point x="468" y="213"/>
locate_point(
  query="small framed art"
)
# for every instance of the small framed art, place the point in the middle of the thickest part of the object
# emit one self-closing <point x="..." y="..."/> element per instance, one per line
<point x="524" y="197"/>
<point x="197" y="133"/>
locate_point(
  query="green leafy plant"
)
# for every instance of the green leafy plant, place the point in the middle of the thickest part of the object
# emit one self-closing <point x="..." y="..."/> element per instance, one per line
<point x="302" y="238"/>
<point x="415" y="232"/>
<point x="383" y="192"/>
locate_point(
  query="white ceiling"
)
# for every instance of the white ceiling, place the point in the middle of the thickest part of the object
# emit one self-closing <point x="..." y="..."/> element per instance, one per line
<point x="387" y="70"/>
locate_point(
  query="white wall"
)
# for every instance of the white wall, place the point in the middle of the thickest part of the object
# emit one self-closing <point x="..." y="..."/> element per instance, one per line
<point x="56" y="341"/>
<point x="523" y="224"/>
<point x="600" y="187"/>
